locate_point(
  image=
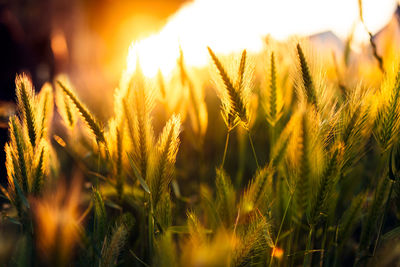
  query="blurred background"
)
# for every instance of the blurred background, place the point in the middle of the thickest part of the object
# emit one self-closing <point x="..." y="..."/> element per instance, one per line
<point x="46" y="37"/>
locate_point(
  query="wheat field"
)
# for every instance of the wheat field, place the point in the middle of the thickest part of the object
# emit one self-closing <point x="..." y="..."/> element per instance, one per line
<point x="288" y="157"/>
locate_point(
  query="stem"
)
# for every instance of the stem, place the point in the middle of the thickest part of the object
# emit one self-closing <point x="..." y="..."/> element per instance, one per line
<point x="273" y="140"/>
<point x="234" y="228"/>
<point x="338" y="252"/>
<point x="294" y="242"/>
<point x="98" y="165"/>
<point x="307" y="256"/>
<point x="338" y="248"/>
<point x="138" y="259"/>
<point x="280" y="229"/>
<point x="322" y="256"/>
<point x="252" y="147"/>
<point x="384" y="216"/>
<point x="226" y="148"/>
<point x="151" y="228"/>
<point x="371" y="41"/>
<point x="272" y="146"/>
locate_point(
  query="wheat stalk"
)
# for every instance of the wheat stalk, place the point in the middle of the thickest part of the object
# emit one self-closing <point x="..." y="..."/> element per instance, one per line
<point x="86" y="115"/>
<point x="302" y="185"/>
<point x="26" y="104"/>
<point x="308" y="85"/>
<point x="167" y="148"/>
<point x="234" y="106"/>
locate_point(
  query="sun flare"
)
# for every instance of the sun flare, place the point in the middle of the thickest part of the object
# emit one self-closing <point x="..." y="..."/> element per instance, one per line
<point x="245" y="24"/>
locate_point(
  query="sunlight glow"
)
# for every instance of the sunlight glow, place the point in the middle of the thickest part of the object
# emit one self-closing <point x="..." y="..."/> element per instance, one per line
<point x="231" y="25"/>
<point x="277" y="252"/>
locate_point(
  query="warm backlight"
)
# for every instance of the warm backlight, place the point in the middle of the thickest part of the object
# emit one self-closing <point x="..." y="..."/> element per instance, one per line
<point x="232" y="25"/>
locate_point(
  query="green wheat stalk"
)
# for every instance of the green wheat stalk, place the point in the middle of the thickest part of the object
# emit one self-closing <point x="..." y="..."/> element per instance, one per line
<point x="308" y="85"/>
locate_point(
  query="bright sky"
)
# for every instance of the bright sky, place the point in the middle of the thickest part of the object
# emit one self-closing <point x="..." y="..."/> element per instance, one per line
<point x="232" y="25"/>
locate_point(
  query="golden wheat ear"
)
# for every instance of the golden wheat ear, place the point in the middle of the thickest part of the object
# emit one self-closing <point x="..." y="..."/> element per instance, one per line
<point x="19" y="147"/>
<point x="326" y="182"/>
<point x="308" y="85"/>
<point x="12" y="169"/>
<point x="233" y="105"/>
<point x="86" y="115"/>
<point x="226" y="197"/>
<point x="163" y="165"/>
<point x="196" y="229"/>
<point x="273" y="104"/>
<point x="138" y="106"/>
<point x="240" y="75"/>
<point x="26" y="105"/>
<point x="255" y="238"/>
<point x="112" y="247"/>
<point x="45" y="109"/>
<point x="65" y="106"/>
<point x="387" y="121"/>
<point x="255" y="193"/>
<point x="304" y="172"/>
<point x="40" y="168"/>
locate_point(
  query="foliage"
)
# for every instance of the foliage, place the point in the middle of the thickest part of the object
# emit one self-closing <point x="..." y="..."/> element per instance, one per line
<point x="316" y="183"/>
